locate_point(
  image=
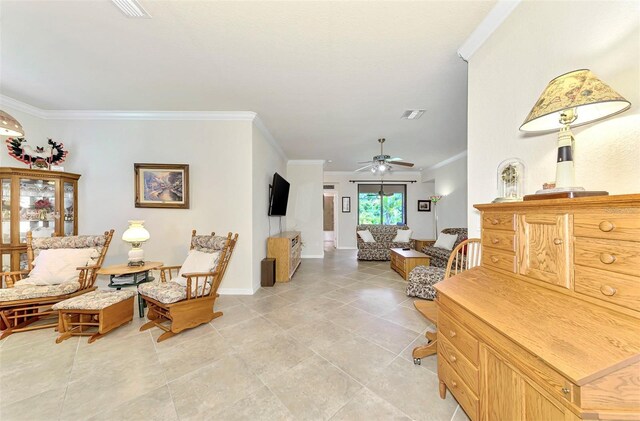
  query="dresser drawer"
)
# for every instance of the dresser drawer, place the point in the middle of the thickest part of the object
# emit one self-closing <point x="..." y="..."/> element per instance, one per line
<point x="498" y="259"/>
<point x="502" y="240"/>
<point x="465" y="368"/>
<point x="614" y="226"/>
<point x="499" y="221"/>
<point x="463" y="394"/>
<point x="612" y="287"/>
<point x="458" y="337"/>
<point x="614" y="256"/>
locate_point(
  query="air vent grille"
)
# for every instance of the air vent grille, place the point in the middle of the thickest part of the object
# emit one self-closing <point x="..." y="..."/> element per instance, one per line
<point x="329" y="187"/>
<point x="412" y="114"/>
<point x="132" y="9"/>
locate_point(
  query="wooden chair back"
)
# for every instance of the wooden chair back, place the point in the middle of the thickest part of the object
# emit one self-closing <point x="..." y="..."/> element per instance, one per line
<point x="465" y="255"/>
<point x="87" y="276"/>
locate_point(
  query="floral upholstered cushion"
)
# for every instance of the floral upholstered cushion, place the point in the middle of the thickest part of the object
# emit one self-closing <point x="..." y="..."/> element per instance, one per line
<point x="208" y="243"/>
<point x="73" y="242"/>
<point x="166" y="292"/>
<point x="96" y="300"/>
<point x="23" y="291"/>
<point x="421" y="281"/>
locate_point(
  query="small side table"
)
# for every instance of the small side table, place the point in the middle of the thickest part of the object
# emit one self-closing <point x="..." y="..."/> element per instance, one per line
<point x="421" y="243"/>
<point x="141" y="275"/>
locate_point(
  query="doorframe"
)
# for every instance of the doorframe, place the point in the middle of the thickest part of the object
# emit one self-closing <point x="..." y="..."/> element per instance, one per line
<point x="334" y="193"/>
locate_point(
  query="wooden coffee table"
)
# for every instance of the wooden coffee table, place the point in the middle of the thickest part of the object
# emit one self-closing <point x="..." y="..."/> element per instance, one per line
<point x="403" y="261"/>
<point x="137" y="273"/>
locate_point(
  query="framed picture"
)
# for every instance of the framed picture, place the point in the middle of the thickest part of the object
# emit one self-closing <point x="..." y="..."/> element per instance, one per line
<point x="424" y="205"/>
<point x="346" y="204"/>
<point x="162" y="186"/>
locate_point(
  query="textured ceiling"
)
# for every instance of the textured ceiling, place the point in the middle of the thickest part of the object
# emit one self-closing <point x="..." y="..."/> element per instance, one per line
<point x="327" y="78"/>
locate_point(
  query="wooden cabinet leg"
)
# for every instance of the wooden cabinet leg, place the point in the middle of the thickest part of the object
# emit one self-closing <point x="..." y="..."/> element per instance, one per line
<point x="443" y="389"/>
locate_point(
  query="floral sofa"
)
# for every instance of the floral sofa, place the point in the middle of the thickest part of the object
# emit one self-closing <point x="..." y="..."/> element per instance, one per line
<point x="383" y="234"/>
<point x="440" y="256"/>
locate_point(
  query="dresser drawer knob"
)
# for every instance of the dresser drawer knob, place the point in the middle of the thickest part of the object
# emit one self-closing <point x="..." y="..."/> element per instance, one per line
<point x="495" y="221"/>
<point x="452" y="333"/>
<point x="453" y="359"/>
<point x="454" y="384"/>
<point x="565" y="390"/>
<point x="608" y="290"/>
<point x="494" y="259"/>
<point x="495" y="240"/>
<point x="607" y="259"/>
<point x="557" y="241"/>
<point x="606" y="226"/>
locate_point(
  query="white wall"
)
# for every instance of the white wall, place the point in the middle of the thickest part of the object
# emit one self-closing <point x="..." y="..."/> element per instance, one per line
<point x="507" y="74"/>
<point x="230" y="166"/>
<point x="421" y="223"/>
<point x="267" y="159"/>
<point x="304" y="211"/>
<point x="450" y="181"/>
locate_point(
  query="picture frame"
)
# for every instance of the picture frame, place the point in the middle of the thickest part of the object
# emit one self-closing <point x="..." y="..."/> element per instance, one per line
<point x="346" y="204"/>
<point x="424" y="205"/>
<point x="161" y="185"/>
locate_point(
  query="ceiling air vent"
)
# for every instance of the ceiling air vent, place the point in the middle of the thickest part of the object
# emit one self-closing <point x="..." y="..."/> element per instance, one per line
<point x="412" y="114"/>
<point x="132" y="8"/>
<point x="329" y="187"/>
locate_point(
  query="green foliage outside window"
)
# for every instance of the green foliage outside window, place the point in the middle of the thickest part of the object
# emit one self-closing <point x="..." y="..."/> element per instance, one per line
<point x="369" y="211"/>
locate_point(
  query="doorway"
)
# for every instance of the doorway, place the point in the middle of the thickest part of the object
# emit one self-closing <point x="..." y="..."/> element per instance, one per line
<point x="329" y="219"/>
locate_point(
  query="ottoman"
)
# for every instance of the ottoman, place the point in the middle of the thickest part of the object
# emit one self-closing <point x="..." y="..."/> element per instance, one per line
<point x="94" y="314"/>
<point x="421" y="281"/>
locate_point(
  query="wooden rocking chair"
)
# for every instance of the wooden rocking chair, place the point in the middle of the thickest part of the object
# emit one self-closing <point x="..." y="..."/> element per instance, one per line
<point x="465" y="256"/>
<point x="20" y="307"/>
<point x="185" y="308"/>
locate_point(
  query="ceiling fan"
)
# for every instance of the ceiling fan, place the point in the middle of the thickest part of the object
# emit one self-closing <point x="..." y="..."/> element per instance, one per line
<point x="382" y="164"/>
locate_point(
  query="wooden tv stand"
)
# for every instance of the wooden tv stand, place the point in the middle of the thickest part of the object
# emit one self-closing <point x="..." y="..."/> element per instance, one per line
<point x="286" y="248"/>
<point x="548" y="327"/>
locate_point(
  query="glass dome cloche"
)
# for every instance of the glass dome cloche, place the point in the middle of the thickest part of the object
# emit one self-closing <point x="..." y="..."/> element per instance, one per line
<point x="510" y="181"/>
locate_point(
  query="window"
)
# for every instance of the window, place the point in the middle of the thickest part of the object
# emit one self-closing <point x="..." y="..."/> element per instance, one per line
<point x="391" y="210"/>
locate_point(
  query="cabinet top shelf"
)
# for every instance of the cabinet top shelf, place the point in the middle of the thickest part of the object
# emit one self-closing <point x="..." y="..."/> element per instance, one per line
<point x="26" y="172"/>
<point x="286" y="234"/>
<point x="623" y="200"/>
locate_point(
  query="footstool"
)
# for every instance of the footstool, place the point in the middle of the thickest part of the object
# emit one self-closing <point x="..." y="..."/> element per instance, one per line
<point x="105" y="310"/>
<point x="421" y="281"/>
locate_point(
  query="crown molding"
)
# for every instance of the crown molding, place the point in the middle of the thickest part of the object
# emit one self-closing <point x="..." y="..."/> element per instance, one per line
<point x="489" y="24"/>
<point x="127" y="115"/>
<point x="259" y="124"/>
<point x="306" y="162"/>
<point x="445" y="162"/>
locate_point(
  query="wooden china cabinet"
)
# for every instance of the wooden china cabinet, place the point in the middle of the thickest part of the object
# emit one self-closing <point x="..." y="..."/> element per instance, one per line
<point x="41" y="201"/>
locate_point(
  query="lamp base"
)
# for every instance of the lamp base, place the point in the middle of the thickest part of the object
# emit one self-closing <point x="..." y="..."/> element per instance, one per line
<point x="560" y="190"/>
<point x="506" y="199"/>
<point x="138" y="263"/>
<point x="564" y="194"/>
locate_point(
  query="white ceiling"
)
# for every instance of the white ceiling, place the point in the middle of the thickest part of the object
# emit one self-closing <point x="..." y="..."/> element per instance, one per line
<point x="326" y="78"/>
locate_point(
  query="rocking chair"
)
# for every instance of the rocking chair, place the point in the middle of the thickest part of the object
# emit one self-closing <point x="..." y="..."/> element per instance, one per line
<point x="465" y="256"/>
<point x="174" y="307"/>
<point x="23" y="303"/>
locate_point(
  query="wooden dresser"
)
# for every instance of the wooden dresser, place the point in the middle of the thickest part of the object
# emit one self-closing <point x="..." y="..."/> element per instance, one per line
<point x="286" y="248"/>
<point x="548" y="327"/>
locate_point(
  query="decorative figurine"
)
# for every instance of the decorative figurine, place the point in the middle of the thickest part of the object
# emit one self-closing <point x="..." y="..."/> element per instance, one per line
<point x="40" y="157"/>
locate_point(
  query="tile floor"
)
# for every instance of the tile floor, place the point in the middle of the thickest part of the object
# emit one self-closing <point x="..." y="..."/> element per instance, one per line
<point x="335" y="343"/>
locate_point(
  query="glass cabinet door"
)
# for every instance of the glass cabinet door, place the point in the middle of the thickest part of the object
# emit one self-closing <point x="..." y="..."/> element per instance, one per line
<point x="37" y="208"/>
<point x="5" y="212"/>
<point x="68" y="208"/>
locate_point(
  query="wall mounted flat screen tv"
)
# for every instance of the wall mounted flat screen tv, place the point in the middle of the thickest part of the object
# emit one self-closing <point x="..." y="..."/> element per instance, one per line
<point x="279" y="196"/>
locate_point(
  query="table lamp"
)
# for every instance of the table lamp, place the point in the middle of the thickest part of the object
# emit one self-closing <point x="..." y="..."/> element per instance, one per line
<point x="570" y="100"/>
<point x="136" y="234"/>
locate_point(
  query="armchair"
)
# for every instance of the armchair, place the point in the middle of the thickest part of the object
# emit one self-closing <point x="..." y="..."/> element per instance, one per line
<point x="182" y="301"/>
<point x="440" y="256"/>
<point x="24" y="302"/>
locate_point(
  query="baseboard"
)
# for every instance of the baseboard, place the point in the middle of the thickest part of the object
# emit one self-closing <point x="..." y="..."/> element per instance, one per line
<point x="347" y="248"/>
<point x="312" y="256"/>
<point x="235" y="291"/>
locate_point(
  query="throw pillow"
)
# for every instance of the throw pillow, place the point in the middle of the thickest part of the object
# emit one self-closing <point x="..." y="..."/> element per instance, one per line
<point x="197" y="262"/>
<point x="446" y="241"/>
<point x="403" y="236"/>
<point x="366" y="236"/>
<point x="57" y="266"/>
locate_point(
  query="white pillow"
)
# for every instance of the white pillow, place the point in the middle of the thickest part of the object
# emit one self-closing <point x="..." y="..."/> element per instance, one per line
<point x="403" y="236"/>
<point x="366" y="236"/>
<point x="57" y="266"/>
<point x="197" y="262"/>
<point x="446" y="241"/>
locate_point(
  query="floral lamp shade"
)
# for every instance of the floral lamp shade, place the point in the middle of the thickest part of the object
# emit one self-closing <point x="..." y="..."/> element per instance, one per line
<point x="579" y="90"/>
<point x="9" y="126"/>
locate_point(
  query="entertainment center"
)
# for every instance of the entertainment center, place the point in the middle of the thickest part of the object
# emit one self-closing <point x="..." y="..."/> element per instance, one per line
<point x="286" y="248"/>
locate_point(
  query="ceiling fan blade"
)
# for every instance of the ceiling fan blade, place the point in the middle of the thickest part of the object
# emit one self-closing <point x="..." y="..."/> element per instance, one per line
<point x="363" y="168"/>
<point x="394" y="159"/>
<point x="365" y="162"/>
<point x="404" y="164"/>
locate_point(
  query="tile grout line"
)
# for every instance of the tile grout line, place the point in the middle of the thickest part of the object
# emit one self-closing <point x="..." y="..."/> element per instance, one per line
<point x="64" y="398"/>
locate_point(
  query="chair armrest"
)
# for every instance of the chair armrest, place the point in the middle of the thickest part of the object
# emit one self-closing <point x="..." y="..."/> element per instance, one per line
<point x="95" y="267"/>
<point x="168" y="269"/>
<point x="197" y="274"/>
<point x="200" y="287"/>
<point x="10" y="278"/>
